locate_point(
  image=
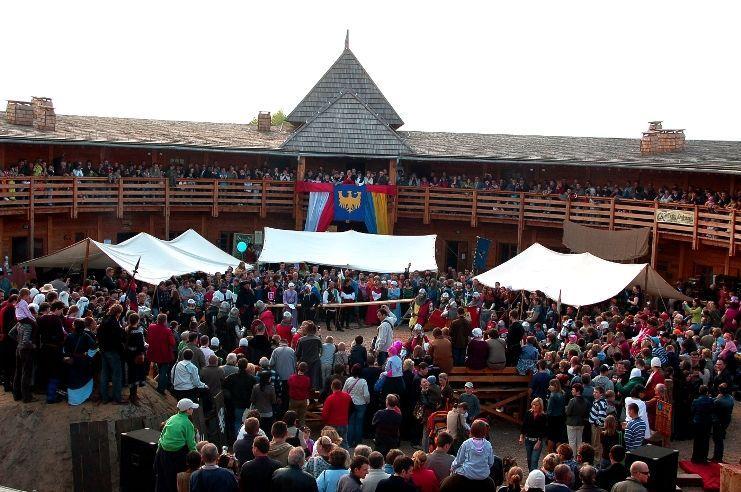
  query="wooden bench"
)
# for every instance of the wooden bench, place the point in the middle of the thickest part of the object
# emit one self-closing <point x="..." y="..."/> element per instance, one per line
<point x="503" y="392"/>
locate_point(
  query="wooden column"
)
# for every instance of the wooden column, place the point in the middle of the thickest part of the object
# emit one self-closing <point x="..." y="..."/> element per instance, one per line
<point x="2" y="235"/>
<point x="727" y="266"/>
<point x="695" y="242"/>
<point x="300" y="175"/>
<point x="215" y="199"/>
<point x="73" y="210"/>
<point x="521" y="222"/>
<point x="120" y="201"/>
<point x="426" y="212"/>
<point x="474" y="208"/>
<point x="612" y="214"/>
<point x="99" y="229"/>
<point x="392" y="199"/>
<point x="263" y="198"/>
<point x="166" y="209"/>
<point x="732" y="234"/>
<point x="31" y="218"/>
<point x="86" y="259"/>
<point x="655" y="238"/>
<point x="568" y="207"/>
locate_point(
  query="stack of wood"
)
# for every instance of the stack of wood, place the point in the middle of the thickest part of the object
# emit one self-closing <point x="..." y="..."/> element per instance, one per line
<point x="44" y="118"/>
<point x="658" y="140"/>
<point x="19" y="113"/>
<point x="263" y="121"/>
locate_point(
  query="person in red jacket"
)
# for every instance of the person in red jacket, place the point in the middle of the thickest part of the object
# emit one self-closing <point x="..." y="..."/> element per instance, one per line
<point x="285" y="328"/>
<point x="299" y="392"/>
<point x="161" y="350"/>
<point x="266" y="316"/>
<point x="336" y="410"/>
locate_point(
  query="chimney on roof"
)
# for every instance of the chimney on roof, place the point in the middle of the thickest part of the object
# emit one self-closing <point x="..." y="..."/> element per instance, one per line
<point x="347" y="40"/>
<point x="658" y="140"/>
<point x="19" y="113"/>
<point x="263" y="121"/>
<point x="44" y="118"/>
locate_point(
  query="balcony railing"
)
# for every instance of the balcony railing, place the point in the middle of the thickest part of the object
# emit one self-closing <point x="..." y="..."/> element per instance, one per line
<point x="25" y="195"/>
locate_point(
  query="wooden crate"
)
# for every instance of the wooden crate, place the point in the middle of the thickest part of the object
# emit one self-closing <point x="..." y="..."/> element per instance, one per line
<point x="263" y="121"/>
<point x="19" y="113"/>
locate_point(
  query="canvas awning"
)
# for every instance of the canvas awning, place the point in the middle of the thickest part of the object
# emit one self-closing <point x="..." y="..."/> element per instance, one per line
<point x="621" y="245"/>
<point x="575" y="279"/>
<point x="350" y="249"/>
<point x="160" y="260"/>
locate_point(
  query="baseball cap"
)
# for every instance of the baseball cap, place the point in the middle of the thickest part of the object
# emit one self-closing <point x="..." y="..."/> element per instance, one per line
<point x="469" y="384"/>
<point x="186" y="404"/>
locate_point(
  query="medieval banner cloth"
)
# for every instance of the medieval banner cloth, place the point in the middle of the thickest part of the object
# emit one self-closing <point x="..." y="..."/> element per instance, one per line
<point x="609" y="245"/>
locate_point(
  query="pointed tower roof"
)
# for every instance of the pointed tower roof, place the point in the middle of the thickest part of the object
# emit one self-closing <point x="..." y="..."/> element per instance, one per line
<point x="346" y="74"/>
<point x="347" y="126"/>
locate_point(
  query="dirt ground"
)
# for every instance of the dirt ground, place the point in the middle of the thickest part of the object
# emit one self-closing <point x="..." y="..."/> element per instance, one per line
<point x="35" y="439"/>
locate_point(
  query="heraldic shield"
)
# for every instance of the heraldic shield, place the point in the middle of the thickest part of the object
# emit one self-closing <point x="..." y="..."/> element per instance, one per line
<point x="348" y="203"/>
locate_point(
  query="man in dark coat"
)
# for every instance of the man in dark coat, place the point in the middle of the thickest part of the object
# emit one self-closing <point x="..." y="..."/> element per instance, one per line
<point x="293" y="478"/>
<point x="257" y="473"/>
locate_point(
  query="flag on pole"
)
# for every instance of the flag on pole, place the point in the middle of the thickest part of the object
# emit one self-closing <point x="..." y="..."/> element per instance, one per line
<point x="482" y="253"/>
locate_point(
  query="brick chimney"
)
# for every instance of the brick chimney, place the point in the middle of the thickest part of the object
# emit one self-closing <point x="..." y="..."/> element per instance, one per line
<point x="44" y="118"/>
<point x="19" y="113"/>
<point x="658" y="140"/>
<point x="263" y="121"/>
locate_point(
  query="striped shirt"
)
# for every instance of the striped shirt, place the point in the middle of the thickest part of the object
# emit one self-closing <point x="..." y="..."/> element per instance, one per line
<point x="660" y="352"/>
<point x="598" y="412"/>
<point x="634" y="434"/>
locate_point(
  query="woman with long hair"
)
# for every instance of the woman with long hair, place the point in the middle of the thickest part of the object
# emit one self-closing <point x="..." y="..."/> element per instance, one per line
<point x="422" y="477"/>
<point x="533" y="432"/>
<point x="77" y="348"/>
<point x="515" y="476"/>
<point x="263" y="398"/>
<point x="608" y="438"/>
<point x="556" y="412"/>
<point x="319" y="462"/>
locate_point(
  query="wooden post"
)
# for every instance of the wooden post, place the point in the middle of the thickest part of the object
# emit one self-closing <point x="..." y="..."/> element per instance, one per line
<point x="263" y="198"/>
<point x="393" y="199"/>
<point x="73" y="212"/>
<point x="86" y="259"/>
<point x="426" y="216"/>
<point x="727" y="266"/>
<point x="612" y="214"/>
<point x="2" y="235"/>
<point x="215" y="199"/>
<point x="120" y="203"/>
<point x="655" y="238"/>
<point x="99" y="228"/>
<point x="31" y="218"/>
<point x="694" y="229"/>
<point x="732" y="236"/>
<point x="521" y="222"/>
<point x="474" y="208"/>
<point x="682" y="259"/>
<point x="166" y="208"/>
<point x="568" y="208"/>
<point x="300" y="174"/>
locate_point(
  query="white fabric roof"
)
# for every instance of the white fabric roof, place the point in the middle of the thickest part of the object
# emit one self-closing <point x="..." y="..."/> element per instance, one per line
<point x="368" y="252"/>
<point x="577" y="279"/>
<point x="160" y="260"/>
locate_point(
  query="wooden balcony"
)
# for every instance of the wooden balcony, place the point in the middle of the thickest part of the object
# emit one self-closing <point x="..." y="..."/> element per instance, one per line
<point x="32" y="196"/>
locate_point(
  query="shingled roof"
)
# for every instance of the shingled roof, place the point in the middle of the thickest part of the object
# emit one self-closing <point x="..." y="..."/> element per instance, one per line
<point x="347" y="126"/>
<point x="346" y="74"/>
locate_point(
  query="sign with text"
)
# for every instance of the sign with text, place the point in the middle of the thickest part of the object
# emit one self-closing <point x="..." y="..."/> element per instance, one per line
<point x="680" y="217"/>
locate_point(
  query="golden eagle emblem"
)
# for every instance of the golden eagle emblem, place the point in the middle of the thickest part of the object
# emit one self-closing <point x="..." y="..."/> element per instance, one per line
<point x="349" y="200"/>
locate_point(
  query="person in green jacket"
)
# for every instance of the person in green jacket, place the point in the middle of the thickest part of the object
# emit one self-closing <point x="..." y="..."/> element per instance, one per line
<point x="696" y="312"/>
<point x="635" y="379"/>
<point x="177" y="438"/>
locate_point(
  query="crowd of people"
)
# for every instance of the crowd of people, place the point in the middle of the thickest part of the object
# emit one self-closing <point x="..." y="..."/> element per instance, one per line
<point x="564" y="188"/>
<point x="602" y="376"/>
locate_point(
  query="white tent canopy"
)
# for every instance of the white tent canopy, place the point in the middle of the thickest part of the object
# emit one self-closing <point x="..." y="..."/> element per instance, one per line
<point x="350" y="249"/>
<point x="160" y="260"/>
<point x="575" y="279"/>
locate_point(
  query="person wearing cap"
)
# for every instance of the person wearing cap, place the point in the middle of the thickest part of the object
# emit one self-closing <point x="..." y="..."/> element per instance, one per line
<point x="290" y="299"/>
<point x="285" y="327"/>
<point x="535" y="481"/>
<point x="470" y="399"/>
<point x="178" y="437"/>
<point x="656" y="377"/>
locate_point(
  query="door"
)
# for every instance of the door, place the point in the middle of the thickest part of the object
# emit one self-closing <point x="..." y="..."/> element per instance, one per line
<point x="19" y="249"/>
<point x="456" y="255"/>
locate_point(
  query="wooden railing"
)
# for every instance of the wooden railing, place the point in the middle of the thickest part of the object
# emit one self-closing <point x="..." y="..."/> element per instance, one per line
<point x="25" y="195"/>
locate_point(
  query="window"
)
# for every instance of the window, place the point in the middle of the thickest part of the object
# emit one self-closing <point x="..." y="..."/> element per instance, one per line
<point x="506" y="251"/>
<point x="226" y="241"/>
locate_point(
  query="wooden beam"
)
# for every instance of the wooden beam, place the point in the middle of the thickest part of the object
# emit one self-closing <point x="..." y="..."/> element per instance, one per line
<point x="86" y="260"/>
<point x="394" y="199"/>
<point x="167" y="208"/>
<point x="99" y="229"/>
<point x="215" y="199"/>
<point x="120" y="201"/>
<point x="521" y="222"/>
<point x="732" y="234"/>
<point x="474" y="208"/>
<point x="300" y="175"/>
<point x="612" y="214"/>
<point x="31" y="218"/>
<point x="73" y="211"/>
<point x="695" y="241"/>
<point x="263" y="198"/>
<point x="568" y="207"/>
<point x="655" y="238"/>
<point x="727" y="266"/>
<point x="426" y="216"/>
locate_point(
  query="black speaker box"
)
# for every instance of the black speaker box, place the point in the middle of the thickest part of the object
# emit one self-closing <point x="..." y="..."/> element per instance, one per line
<point x="137" y="459"/>
<point x="662" y="464"/>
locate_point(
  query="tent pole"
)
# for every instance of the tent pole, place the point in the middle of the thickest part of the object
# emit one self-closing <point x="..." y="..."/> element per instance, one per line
<point x="85" y="261"/>
<point x="558" y="305"/>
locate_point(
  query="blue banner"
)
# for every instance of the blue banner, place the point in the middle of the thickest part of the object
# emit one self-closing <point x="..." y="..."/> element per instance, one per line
<point x="482" y="252"/>
<point x="348" y="203"/>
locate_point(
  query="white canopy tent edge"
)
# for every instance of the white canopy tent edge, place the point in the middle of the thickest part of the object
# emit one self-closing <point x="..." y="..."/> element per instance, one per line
<point x="160" y="259"/>
<point x="575" y="279"/>
<point x="350" y="249"/>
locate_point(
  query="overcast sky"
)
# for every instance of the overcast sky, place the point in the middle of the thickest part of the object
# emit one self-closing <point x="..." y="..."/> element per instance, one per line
<point x="563" y="67"/>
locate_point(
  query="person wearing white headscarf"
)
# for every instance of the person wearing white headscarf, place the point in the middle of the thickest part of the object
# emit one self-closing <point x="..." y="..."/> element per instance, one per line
<point x="82" y="305"/>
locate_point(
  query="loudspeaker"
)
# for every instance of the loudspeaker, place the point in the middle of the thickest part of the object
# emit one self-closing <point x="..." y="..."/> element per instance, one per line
<point x="662" y="464"/>
<point x="137" y="459"/>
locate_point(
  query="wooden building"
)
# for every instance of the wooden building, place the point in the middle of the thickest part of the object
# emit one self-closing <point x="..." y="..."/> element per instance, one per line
<point x="345" y="122"/>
